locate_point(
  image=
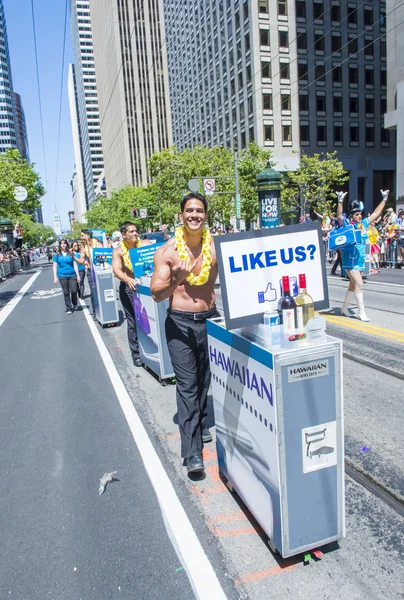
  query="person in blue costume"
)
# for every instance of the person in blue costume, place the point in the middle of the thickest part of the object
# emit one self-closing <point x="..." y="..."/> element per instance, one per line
<point x="353" y="257"/>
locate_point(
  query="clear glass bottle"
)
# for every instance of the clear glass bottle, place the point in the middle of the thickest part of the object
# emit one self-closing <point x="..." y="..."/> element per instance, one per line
<point x="304" y="303"/>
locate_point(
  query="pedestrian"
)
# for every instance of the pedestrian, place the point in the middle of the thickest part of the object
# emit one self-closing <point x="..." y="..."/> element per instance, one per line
<point x="77" y="250"/>
<point x="401" y="233"/>
<point x="353" y="256"/>
<point x="65" y="269"/>
<point x="185" y="272"/>
<point x="123" y="270"/>
<point x="374" y="246"/>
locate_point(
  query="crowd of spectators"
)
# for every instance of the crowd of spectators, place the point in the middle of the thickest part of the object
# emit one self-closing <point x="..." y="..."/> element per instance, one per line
<point x="15" y="259"/>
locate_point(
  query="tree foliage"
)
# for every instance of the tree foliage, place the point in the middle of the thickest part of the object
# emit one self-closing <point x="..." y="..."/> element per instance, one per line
<point x="313" y="184"/>
<point x="15" y="170"/>
<point x="35" y="234"/>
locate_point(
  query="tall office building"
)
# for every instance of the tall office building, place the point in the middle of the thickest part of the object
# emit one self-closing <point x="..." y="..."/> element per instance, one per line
<point x="79" y="188"/>
<point x="83" y="100"/>
<point x="8" y="134"/>
<point x="21" y="127"/>
<point x="394" y="118"/>
<point x="293" y="76"/>
<point x="132" y="84"/>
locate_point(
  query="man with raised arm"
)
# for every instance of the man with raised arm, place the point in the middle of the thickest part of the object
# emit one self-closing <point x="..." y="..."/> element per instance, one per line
<point x="185" y="271"/>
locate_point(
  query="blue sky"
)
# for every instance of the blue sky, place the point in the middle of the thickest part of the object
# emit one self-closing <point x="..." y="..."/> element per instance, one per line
<point x="49" y="20"/>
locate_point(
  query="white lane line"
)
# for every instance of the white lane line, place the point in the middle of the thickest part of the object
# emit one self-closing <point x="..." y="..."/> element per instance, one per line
<point x="10" y="306"/>
<point x="183" y="537"/>
<point x="382" y="283"/>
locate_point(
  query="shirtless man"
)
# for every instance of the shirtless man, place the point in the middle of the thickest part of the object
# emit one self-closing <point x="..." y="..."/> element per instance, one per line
<point x="190" y="306"/>
<point x="123" y="270"/>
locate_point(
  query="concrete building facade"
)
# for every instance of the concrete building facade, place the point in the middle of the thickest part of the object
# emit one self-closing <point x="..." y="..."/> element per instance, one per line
<point x="132" y="84"/>
<point x="394" y="118"/>
<point x="79" y="188"/>
<point x="21" y="127"/>
<point x="82" y="80"/>
<point x="8" y="131"/>
<point x="301" y="76"/>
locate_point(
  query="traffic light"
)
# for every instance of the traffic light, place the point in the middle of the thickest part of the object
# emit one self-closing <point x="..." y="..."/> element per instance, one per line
<point x="135" y="212"/>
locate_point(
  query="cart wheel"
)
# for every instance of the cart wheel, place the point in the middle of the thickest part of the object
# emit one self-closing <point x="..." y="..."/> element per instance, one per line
<point x="272" y="547"/>
<point x="163" y="382"/>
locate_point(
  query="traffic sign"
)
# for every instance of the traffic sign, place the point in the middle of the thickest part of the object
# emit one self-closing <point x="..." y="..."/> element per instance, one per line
<point x="193" y="185"/>
<point x="20" y="193"/>
<point x="209" y="186"/>
<point x="143" y="213"/>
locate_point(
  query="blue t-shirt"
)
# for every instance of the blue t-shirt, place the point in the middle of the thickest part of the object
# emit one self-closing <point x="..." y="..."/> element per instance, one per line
<point x="65" y="265"/>
<point x="353" y="257"/>
<point x="79" y="266"/>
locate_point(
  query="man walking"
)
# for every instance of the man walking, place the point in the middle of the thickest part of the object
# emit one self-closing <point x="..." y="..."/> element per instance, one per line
<point x="123" y="270"/>
<point x="185" y="272"/>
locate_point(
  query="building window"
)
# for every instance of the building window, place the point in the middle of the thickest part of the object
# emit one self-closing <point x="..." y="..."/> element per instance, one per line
<point x="318" y="11"/>
<point x="353" y="45"/>
<point x="286" y="133"/>
<point x="353" y="105"/>
<point x="303" y="102"/>
<point x="385" y="136"/>
<point x="335" y="42"/>
<point x="268" y="133"/>
<point x="369" y="77"/>
<point x="304" y="134"/>
<point x="240" y="80"/>
<point x="368" y="16"/>
<point x="321" y="133"/>
<point x="383" y="49"/>
<point x="320" y="74"/>
<point x="266" y="70"/>
<point x="319" y="40"/>
<point x="283" y="39"/>
<point x="383" y="78"/>
<point x="352" y="15"/>
<point x="335" y="13"/>
<point x="302" y="70"/>
<point x="368" y="49"/>
<point x="300" y="9"/>
<point x="320" y="103"/>
<point x="285" y="102"/>
<point x="353" y="75"/>
<point x="337" y="75"/>
<point x="284" y="70"/>
<point x="369" y="105"/>
<point x="251" y="134"/>
<point x="337" y="104"/>
<point x="262" y="7"/>
<point x="247" y="42"/>
<point x="383" y="106"/>
<point x="267" y="101"/>
<point x="354" y="134"/>
<point x="264" y="37"/>
<point x="370" y="135"/>
<point x="302" y="41"/>
<point x="282" y="7"/>
<point x="338" y="134"/>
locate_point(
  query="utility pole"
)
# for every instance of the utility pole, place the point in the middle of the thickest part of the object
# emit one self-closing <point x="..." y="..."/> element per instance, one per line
<point x="238" y="211"/>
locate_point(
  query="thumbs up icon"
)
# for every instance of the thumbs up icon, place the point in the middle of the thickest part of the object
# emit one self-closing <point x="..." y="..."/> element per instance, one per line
<point x="269" y="295"/>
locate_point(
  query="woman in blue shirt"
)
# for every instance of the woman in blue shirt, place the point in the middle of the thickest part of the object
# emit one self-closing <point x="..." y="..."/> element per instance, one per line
<point x="353" y="257"/>
<point x="65" y="269"/>
<point x="77" y="251"/>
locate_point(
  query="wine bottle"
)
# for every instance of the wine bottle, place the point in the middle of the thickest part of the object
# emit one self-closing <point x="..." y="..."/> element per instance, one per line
<point x="305" y="304"/>
<point x="287" y="311"/>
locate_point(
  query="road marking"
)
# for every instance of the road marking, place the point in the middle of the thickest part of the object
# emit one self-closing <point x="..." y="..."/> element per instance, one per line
<point x="251" y="577"/>
<point x="45" y="294"/>
<point x="11" y="304"/>
<point x="400" y="285"/>
<point x="365" y="327"/>
<point x="183" y="537"/>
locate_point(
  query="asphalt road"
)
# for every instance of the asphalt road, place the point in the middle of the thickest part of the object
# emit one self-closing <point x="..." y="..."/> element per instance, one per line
<point x="61" y="429"/>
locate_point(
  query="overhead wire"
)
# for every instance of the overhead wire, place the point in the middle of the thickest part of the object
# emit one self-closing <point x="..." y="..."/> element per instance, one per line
<point x="61" y="100"/>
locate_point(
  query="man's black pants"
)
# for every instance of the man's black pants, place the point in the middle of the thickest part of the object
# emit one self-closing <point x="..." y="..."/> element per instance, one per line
<point x="82" y="275"/>
<point x="337" y="262"/>
<point x="188" y="346"/>
<point x="69" y="287"/>
<point x="126" y="297"/>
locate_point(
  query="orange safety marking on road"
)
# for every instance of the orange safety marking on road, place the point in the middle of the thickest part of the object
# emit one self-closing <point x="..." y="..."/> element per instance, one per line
<point x="218" y="532"/>
<point x="258" y="575"/>
<point x="237" y="515"/>
<point x="214" y="489"/>
<point x="198" y="492"/>
<point x="209" y="455"/>
<point x="169" y="436"/>
<point x="213" y="472"/>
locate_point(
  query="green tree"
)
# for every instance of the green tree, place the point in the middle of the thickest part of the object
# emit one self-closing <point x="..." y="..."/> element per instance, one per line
<point x="74" y="234"/>
<point x="35" y="234"/>
<point x="15" y="170"/>
<point x="312" y="186"/>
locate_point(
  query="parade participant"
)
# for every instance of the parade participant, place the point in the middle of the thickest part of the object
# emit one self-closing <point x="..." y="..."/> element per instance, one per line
<point x="374" y="246"/>
<point x="65" y="269"/>
<point x="185" y="272"/>
<point x="123" y="270"/>
<point x="401" y="233"/>
<point x="353" y="257"/>
<point x="77" y="250"/>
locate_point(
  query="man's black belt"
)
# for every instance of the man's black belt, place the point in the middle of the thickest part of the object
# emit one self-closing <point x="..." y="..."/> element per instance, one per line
<point x="191" y="316"/>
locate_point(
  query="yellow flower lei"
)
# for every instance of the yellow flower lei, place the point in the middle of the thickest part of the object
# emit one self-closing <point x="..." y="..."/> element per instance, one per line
<point x="203" y="276"/>
<point x="126" y="257"/>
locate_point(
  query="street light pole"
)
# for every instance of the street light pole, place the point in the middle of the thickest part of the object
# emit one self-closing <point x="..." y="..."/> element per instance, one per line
<point x="238" y="212"/>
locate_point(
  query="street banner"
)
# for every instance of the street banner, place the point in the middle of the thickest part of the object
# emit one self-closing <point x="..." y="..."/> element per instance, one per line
<point x="269" y="208"/>
<point x="251" y="265"/>
<point x="142" y="259"/>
